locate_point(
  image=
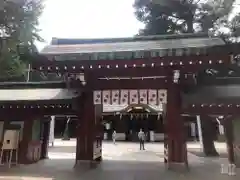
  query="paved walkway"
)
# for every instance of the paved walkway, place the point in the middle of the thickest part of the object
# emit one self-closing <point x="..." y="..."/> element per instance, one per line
<point x="123" y="161"/>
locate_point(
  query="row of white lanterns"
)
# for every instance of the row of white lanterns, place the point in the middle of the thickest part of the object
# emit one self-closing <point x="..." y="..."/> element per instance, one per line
<point x="38" y="106"/>
<point x="214" y="105"/>
<point x="126" y="66"/>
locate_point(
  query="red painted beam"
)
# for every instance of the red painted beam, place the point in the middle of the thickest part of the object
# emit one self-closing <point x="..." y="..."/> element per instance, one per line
<point x="131" y="72"/>
<point x="129" y="84"/>
<point x="190" y="63"/>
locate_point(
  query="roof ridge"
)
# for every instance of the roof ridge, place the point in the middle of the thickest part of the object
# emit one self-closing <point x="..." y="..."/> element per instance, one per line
<point x="68" y="41"/>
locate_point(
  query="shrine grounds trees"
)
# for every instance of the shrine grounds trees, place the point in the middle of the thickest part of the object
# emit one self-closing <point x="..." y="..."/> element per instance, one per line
<point x="191" y="16"/>
<point x="18" y="28"/>
<point x="187" y="16"/>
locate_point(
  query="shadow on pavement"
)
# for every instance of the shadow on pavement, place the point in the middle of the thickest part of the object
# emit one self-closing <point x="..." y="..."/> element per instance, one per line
<point x="199" y="153"/>
<point x="62" y="169"/>
<point x="127" y="164"/>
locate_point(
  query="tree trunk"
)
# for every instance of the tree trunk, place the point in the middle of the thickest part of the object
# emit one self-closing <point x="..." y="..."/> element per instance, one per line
<point x="208" y="133"/>
<point x="190" y="21"/>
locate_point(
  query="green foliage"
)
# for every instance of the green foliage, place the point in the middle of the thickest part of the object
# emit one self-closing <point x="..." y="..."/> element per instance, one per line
<point x="19" y="20"/>
<point x="18" y="27"/>
<point x="11" y="68"/>
<point x="187" y="16"/>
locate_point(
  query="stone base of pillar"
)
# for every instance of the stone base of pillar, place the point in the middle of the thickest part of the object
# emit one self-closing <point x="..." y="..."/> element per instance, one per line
<point x="82" y="163"/>
<point x="86" y="164"/>
<point x="178" y="166"/>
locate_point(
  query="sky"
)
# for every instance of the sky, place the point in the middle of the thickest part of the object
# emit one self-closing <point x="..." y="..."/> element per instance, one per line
<point x="87" y="19"/>
<point x="90" y="19"/>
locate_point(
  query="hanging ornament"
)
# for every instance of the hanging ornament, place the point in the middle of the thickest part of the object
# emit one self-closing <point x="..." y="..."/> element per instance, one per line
<point x="115" y="97"/>
<point x="143" y="96"/>
<point x="97" y="97"/>
<point x="133" y="96"/>
<point x="158" y="116"/>
<point x="152" y="97"/>
<point x="123" y="97"/>
<point x="162" y="96"/>
<point x="106" y="97"/>
<point x="176" y="76"/>
<point x="120" y="116"/>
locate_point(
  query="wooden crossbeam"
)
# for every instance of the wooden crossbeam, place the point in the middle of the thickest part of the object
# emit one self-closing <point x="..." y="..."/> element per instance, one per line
<point x="131" y="72"/>
<point x="129" y="84"/>
<point x="189" y="63"/>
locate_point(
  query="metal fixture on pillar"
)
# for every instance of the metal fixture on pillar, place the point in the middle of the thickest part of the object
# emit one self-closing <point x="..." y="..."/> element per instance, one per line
<point x="81" y="78"/>
<point x="75" y="79"/>
<point x="176" y="76"/>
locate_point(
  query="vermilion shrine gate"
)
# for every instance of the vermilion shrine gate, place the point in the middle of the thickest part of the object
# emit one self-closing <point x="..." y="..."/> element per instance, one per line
<point x="142" y="70"/>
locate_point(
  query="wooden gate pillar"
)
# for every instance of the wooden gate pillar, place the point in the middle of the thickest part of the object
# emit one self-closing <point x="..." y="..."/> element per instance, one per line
<point x="229" y="134"/>
<point x="89" y="133"/>
<point x="84" y="151"/>
<point x="45" y="132"/>
<point x="236" y="140"/>
<point x="26" y="139"/>
<point x="175" y="135"/>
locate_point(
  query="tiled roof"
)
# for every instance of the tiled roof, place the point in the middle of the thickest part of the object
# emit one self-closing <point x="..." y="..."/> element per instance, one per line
<point x="36" y="94"/>
<point x="69" y="41"/>
<point x="153" y="45"/>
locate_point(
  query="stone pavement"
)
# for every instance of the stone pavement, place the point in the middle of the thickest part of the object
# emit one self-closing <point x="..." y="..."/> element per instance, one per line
<point x="123" y="161"/>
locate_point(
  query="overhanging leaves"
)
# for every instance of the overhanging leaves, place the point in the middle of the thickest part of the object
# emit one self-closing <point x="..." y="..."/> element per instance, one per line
<point x="18" y="26"/>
